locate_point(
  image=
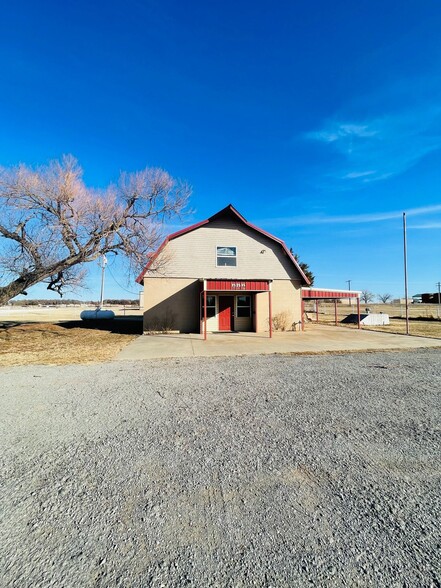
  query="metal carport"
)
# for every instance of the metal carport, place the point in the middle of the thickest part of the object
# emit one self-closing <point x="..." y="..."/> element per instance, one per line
<point x="327" y="294"/>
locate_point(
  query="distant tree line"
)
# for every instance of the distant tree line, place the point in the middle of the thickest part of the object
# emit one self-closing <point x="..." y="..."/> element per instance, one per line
<point x="70" y="302"/>
<point x="44" y="302"/>
<point x="367" y="296"/>
<point x="121" y="302"/>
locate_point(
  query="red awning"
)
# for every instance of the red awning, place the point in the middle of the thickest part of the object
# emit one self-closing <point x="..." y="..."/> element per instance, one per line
<point x="322" y="294"/>
<point x="237" y="285"/>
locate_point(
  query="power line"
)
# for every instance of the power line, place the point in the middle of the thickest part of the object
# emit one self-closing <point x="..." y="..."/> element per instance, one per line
<point x="118" y="284"/>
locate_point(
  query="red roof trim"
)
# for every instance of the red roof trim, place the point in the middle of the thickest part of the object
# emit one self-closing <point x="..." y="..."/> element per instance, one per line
<point x="229" y="208"/>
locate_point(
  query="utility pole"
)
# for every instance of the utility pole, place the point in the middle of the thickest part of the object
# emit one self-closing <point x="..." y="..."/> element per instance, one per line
<point x="405" y="273"/>
<point x="439" y="298"/>
<point x="348" y="282"/>
<point x="103" y="269"/>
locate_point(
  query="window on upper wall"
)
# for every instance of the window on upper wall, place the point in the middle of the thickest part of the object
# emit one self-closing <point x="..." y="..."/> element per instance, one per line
<point x="226" y="256"/>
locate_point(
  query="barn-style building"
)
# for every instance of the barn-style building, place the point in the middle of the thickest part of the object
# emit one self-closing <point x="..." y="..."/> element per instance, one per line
<point x="221" y="274"/>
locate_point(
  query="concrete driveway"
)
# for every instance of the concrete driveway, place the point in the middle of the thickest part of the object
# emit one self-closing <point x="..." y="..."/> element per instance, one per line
<point x="317" y="339"/>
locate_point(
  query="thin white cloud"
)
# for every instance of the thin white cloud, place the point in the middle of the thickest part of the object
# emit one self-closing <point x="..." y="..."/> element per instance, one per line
<point x="380" y="147"/>
<point x="348" y="219"/>
<point x="425" y="226"/>
<point x="343" y="131"/>
<point x="355" y="175"/>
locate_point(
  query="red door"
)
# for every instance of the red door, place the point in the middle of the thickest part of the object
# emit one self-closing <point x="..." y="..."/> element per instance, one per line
<point x="226" y="310"/>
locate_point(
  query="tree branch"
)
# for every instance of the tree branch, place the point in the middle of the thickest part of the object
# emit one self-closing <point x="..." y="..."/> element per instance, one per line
<point x="55" y="223"/>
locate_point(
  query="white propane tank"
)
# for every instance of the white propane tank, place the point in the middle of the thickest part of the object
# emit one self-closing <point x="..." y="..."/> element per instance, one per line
<point x="97" y="314"/>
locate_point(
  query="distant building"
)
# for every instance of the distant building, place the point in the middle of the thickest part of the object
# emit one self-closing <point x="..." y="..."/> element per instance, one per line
<point x="428" y="298"/>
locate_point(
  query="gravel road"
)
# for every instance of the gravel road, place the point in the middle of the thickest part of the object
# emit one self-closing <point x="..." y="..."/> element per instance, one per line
<point x="259" y="471"/>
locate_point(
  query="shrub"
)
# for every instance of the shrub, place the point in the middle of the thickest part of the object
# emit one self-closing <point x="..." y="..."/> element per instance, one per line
<point x="164" y="323"/>
<point x="281" y="321"/>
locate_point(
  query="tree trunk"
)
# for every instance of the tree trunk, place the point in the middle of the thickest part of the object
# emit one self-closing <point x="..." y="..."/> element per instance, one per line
<point x="22" y="283"/>
<point x="14" y="289"/>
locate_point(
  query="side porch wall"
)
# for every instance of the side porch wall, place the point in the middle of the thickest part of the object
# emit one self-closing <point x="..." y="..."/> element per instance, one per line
<point x="285" y="297"/>
<point x="172" y="304"/>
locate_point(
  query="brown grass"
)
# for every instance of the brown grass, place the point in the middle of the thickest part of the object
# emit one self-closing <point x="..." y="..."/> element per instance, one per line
<point x="423" y="317"/>
<point x="46" y="343"/>
<point x="422" y="328"/>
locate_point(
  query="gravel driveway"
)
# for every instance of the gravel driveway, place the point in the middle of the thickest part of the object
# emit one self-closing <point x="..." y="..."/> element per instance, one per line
<point x="251" y="471"/>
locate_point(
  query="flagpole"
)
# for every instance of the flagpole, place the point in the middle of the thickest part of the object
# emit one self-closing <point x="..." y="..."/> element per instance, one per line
<point x="405" y="273"/>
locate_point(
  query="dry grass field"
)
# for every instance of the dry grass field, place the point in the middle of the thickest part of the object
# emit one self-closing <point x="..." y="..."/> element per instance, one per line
<point x="47" y="343"/>
<point x="422" y="328"/>
<point x="25" y="314"/>
<point x="420" y="323"/>
<point x="57" y="336"/>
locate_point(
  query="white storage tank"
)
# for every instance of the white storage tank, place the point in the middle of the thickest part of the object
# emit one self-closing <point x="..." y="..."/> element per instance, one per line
<point x="97" y="314"/>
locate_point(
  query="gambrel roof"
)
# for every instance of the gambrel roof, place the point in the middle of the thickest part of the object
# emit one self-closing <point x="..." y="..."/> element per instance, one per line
<point x="228" y="211"/>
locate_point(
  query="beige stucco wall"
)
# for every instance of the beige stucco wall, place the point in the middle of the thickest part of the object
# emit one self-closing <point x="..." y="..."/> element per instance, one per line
<point x="193" y="255"/>
<point x="171" y="303"/>
<point x="285" y="297"/>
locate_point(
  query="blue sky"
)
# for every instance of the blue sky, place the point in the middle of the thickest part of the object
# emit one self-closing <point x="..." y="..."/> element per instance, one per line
<point x="319" y="121"/>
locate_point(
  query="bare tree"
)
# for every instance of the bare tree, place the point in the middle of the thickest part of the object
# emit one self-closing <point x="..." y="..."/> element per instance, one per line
<point x="384" y="298"/>
<point x="52" y="223"/>
<point x="367" y="296"/>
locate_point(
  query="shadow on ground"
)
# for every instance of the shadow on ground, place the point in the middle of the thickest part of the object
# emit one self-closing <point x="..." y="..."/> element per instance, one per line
<point x="128" y="325"/>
